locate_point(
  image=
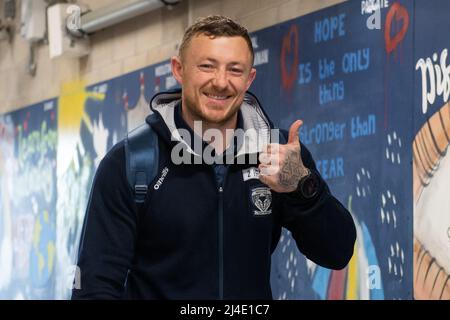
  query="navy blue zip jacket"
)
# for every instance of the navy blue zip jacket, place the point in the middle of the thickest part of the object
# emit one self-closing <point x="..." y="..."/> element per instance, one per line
<point x="205" y="231"/>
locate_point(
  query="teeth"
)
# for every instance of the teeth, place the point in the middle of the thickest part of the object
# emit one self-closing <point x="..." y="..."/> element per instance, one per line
<point x="217" y="97"/>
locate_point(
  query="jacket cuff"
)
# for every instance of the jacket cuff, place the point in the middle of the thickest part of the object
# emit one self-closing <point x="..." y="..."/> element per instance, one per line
<point x="297" y="200"/>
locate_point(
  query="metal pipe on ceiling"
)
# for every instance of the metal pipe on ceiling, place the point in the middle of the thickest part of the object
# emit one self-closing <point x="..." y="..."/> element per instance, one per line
<point x="117" y="12"/>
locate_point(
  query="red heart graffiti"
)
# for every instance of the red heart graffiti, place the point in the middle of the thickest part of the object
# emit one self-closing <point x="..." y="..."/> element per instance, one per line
<point x="288" y="77"/>
<point x="400" y="13"/>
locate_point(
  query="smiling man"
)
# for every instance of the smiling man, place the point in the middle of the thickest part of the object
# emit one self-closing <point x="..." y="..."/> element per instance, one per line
<point x="215" y="72"/>
<point x="207" y="230"/>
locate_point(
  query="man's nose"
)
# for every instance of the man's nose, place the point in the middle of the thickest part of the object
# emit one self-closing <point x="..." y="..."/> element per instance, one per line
<point x="220" y="80"/>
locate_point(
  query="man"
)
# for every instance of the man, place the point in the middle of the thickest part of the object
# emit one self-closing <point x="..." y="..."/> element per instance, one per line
<point x="207" y="230"/>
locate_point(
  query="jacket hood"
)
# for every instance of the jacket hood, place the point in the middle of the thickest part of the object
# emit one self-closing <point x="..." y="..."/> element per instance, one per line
<point x="256" y="124"/>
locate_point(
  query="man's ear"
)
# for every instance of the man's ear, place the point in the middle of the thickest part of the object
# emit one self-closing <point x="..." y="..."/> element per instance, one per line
<point x="251" y="77"/>
<point x="177" y="69"/>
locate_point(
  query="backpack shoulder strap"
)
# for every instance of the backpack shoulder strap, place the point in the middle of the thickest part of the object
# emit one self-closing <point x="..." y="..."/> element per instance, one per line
<point x="141" y="154"/>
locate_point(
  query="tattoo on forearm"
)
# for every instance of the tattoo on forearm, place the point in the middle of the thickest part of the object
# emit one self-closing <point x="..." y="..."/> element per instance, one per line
<point x="292" y="171"/>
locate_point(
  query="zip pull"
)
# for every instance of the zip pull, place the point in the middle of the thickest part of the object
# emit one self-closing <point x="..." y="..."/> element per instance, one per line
<point x="220" y="189"/>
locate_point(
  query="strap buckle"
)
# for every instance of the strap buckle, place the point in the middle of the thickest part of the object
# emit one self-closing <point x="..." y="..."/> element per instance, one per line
<point x="140" y="189"/>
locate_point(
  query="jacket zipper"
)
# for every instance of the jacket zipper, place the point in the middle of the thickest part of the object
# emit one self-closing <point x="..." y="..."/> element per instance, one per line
<point x="220" y="185"/>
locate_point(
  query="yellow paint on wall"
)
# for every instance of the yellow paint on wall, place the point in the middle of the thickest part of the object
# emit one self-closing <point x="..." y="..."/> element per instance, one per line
<point x="353" y="270"/>
<point x="352" y="276"/>
<point x="41" y="262"/>
<point x="51" y="255"/>
<point x="37" y="233"/>
<point x="71" y="106"/>
<point x="71" y="114"/>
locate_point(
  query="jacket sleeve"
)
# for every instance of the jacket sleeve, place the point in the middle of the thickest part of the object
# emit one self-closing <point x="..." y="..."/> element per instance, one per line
<point x="322" y="227"/>
<point x="109" y="232"/>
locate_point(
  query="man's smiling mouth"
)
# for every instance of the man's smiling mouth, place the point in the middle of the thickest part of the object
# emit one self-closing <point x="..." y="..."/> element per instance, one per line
<point x="216" y="97"/>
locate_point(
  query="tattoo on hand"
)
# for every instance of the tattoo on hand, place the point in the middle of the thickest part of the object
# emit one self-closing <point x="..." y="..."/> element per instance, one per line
<point x="291" y="171"/>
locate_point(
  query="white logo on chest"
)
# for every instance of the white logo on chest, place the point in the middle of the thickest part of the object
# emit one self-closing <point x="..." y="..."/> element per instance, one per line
<point x="262" y="199"/>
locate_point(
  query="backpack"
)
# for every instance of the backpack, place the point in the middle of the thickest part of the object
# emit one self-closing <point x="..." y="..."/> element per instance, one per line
<point x="141" y="157"/>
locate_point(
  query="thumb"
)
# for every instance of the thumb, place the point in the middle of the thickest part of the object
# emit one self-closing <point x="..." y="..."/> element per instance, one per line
<point x="293" y="132"/>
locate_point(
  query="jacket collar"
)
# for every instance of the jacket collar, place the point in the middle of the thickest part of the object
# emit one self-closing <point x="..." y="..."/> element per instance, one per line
<point x="255" y="123"/>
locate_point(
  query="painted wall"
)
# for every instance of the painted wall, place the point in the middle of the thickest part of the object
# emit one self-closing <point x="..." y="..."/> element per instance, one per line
<point x="430" y="159"/>
<point x="360" y="93"/>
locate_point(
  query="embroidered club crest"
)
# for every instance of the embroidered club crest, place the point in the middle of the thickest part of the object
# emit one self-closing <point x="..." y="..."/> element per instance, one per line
<point x="262" y="199"/>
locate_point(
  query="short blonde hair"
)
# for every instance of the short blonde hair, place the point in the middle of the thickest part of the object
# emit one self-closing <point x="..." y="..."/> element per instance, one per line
<point x="215" y="26"/>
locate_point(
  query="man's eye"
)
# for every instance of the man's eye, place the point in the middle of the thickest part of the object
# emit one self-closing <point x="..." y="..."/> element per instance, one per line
<point x="206" y="66"/>
<point x="236" y="70"/>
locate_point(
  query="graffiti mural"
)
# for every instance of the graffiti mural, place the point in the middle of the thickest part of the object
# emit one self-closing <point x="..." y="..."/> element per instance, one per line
<point x="6" y="187"/>
<point x="342" y="79"/>
<point x="28" y="176"/>
<point x="430" y="144"/>
<point x="75" y="173"/>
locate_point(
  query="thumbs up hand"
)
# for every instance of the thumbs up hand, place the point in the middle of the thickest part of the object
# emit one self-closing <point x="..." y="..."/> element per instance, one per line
<point x="281" y="166"/>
